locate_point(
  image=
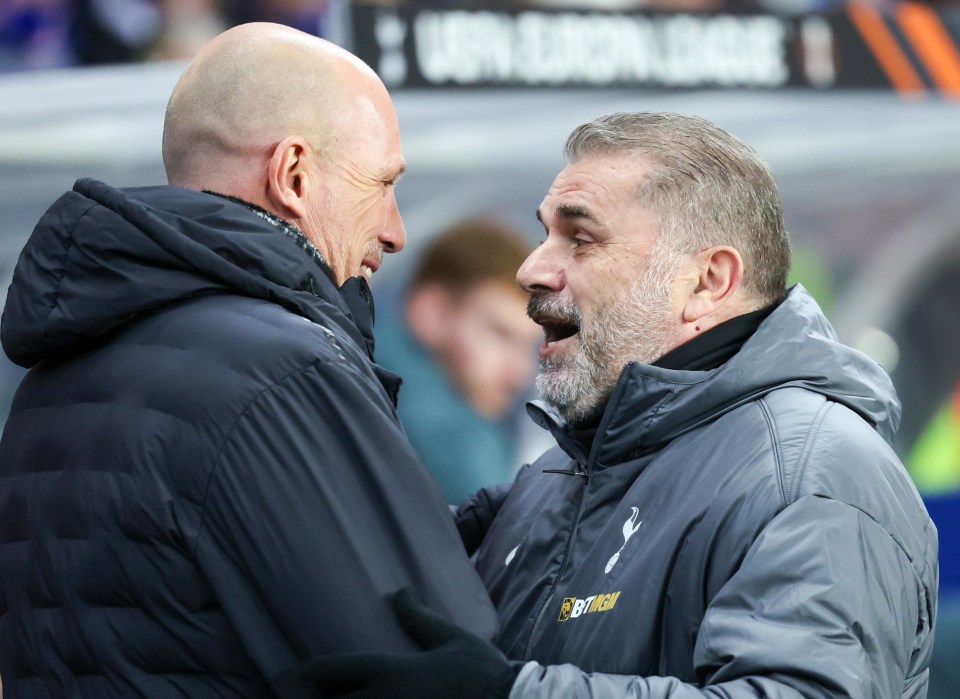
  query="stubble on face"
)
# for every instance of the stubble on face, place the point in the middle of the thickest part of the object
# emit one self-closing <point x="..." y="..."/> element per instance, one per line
<point x="639" y="327"/>
<point x="336" y="229"/>
<point x="352" y="216"/>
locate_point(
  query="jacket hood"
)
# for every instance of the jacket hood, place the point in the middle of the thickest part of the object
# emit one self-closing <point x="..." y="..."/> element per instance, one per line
<point x="794" y="346"/>
<point x="101" y="257"/>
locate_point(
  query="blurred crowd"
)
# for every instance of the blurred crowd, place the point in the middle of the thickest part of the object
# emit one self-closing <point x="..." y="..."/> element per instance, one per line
<point x="56" y="33"/>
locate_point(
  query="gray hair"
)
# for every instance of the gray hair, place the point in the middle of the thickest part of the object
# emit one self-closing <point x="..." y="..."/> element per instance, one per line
<point x="706" y="186"/>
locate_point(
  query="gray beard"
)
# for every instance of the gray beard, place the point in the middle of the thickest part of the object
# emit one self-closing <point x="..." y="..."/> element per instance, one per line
<point x="640" y="329"/>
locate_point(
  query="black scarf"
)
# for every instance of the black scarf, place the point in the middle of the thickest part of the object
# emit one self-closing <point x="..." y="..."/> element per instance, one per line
<point x="717" y="345"/>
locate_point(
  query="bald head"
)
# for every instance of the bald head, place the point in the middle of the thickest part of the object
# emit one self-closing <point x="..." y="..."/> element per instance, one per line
<point x="299" y="127"/>
<point x="250" y="88"/>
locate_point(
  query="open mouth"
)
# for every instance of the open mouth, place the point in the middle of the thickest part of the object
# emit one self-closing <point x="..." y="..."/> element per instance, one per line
<point x="369" y="265"/>
<point x="554" y="330"/>
<point x="559" y="319"/>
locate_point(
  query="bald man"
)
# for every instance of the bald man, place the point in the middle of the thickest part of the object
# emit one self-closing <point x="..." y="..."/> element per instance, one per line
<point x="203" y="481"/>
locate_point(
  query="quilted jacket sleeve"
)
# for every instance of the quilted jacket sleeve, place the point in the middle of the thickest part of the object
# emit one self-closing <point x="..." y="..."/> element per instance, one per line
<point x="316" y="510"/>
<point x="826" y="604"/>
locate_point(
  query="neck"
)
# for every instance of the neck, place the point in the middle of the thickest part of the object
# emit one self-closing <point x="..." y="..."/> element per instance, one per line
<point x="714" y="347"/>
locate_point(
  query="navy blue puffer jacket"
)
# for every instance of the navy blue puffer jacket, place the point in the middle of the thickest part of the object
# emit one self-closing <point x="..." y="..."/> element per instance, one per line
<point x="202" y="480"/>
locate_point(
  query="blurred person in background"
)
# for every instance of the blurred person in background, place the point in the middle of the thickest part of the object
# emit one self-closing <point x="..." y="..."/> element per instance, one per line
<point x="55" y="33"/>
<point x="723" y="513"/>
<point x="188" y="23"/>
<point x="58" y="33"/>
<point x="116" y="31"/>
<point x="203" y="480"/>
<point x="312" y="16"/>
<point x="464" y="347"/>
<point x="187" y="26"/>
<point x="34" y="34"/>
<point x="934" y="463"/>
<point x="934" y="460"/>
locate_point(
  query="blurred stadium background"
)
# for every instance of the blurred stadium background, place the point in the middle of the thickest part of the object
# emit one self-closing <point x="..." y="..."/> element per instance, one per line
<point x="855" y="106"/>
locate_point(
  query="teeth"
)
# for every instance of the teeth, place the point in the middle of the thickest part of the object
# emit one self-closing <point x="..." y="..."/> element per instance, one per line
<point x="366" y="271"/>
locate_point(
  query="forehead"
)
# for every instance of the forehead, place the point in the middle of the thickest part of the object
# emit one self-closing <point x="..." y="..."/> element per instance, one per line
<point x="389" y="133"/>
<point x="369" y="132"/>
<point x="375" y="161"/>
<point x="597" y="185"/>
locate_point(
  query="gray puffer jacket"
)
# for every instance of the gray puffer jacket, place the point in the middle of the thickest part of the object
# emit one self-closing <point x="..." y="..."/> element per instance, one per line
<point x="741" y="532"/>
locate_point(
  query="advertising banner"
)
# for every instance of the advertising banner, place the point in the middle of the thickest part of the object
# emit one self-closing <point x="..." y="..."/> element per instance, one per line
<point x="912" y="48"/>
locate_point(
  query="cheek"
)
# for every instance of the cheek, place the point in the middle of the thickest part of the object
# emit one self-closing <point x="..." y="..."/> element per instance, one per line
<point x="363" y="227"/>
<point x="595" y="295"/>
<point x="373" y="208"/>
<point x="365" y="212"/>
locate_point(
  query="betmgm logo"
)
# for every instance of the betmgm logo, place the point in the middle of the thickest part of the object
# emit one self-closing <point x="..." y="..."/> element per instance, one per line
<point x="573" y="607"/>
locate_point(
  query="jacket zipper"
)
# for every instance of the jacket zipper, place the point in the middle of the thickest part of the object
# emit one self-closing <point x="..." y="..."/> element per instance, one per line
<point x="580" y="470"/>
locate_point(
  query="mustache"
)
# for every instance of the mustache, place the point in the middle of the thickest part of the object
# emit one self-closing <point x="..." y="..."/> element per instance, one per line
<point x="374" y="252"/>
<point x="547" y="306"/>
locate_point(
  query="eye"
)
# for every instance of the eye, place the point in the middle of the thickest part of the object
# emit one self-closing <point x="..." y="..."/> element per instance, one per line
<point x="580" y="239"/>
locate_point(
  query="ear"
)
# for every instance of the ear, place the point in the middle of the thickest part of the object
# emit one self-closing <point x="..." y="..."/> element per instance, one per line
<point x="718" y="276"/>
<point x="428" y="313"/>
<point x="287" y="176"/>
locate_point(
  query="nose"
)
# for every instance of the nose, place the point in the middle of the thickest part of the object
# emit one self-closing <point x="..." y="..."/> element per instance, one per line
<point x="393" y="236"/>
<point x="541" y="271"/>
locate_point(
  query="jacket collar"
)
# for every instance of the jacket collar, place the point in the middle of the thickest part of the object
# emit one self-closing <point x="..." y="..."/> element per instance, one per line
<point x="101" y="257"/>
<point x="794" y="346"/>
<point x="355" y="291"/>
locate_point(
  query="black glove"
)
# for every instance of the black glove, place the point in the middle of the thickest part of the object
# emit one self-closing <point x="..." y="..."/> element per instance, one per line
<point x="474" y="517"/>
<point x="455" y="663"/>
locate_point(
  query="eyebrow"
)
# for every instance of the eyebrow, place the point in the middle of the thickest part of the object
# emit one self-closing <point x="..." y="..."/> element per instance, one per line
<point x="571" y="211"/>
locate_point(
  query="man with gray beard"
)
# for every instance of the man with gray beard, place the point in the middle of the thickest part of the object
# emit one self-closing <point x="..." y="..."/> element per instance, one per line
<point x="723" y="515"/>
<point x="636" y="327"/>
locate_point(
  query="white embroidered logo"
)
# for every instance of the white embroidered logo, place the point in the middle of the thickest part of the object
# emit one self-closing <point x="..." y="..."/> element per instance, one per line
<point x="630" y="528"/>
<point x="512" y="553"/>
